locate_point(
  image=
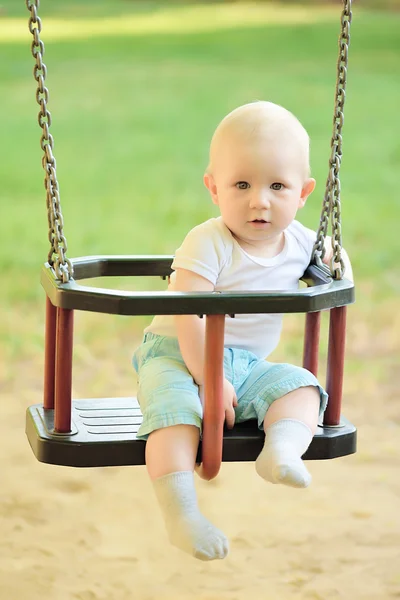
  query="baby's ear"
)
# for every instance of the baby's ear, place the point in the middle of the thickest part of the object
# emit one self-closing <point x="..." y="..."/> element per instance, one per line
<point x="308" y="188"/>
<point x="211" y="186"/>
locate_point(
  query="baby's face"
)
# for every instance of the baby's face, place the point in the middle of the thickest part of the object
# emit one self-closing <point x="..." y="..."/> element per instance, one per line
<point x="259" y="187"/>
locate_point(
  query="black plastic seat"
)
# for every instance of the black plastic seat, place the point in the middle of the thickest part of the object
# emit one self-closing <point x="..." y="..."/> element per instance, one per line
<point x="104" y="434"/>
<point x="102" y="431"/>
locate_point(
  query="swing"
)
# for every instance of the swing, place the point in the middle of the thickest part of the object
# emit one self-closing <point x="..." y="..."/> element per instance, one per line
<point x="102" y="432"/>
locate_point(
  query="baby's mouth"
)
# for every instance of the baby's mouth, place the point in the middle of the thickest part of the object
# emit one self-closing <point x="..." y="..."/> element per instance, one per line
<point x="259" y="223"/>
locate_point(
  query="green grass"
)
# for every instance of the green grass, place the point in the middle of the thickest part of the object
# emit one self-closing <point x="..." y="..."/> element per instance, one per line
<point x="132" y="119"/>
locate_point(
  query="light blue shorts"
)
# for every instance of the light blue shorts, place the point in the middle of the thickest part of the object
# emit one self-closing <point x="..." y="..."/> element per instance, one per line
<point x="168" y="395"/>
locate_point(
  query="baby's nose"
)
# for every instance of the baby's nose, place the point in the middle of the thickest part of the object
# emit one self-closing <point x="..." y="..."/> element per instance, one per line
<point x="261" y="199"/>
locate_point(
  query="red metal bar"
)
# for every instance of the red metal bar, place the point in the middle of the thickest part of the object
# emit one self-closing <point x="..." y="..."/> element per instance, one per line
<point x="49" y="355"/>
<point x="214" y="415"/>
<point x="63" y="383"/>
<point x="334" y="378"/>
<point x="311" y="342"/>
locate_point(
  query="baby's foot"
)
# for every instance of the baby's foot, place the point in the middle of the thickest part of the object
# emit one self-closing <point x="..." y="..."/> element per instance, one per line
<point x="280" y="459"/>
<point x="187" y="528"/>
<point x="195" y="535"/>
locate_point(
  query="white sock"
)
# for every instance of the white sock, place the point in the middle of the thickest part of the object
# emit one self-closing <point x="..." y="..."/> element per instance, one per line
<point x="280" y="459"/>
<point x="187" y="528"/>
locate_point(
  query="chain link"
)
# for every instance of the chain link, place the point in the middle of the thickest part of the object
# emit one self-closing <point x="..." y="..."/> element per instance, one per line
<point x="58" y="243"/>
<point x="331" y="208"/>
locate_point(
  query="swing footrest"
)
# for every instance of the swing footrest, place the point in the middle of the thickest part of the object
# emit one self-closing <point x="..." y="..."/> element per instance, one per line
<point x="104" y="434"/>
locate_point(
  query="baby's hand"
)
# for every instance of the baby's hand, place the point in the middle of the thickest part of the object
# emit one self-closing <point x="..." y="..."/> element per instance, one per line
<point x="230" y="401"/>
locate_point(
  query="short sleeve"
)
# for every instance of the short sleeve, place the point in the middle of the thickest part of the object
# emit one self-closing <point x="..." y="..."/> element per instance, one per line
<point x="203" y="251"/>
<point x="305" y="237"/>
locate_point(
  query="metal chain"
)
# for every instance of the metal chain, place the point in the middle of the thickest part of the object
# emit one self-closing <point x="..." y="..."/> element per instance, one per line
<point x="331" y="203"/>
<point x="58" y="244"/>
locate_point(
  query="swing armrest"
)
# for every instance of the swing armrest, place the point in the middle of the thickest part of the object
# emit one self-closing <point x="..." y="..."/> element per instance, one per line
<point x="322" y="292"/>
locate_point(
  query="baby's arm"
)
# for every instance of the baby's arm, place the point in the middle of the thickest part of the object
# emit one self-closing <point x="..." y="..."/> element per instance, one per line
<point x="192" y="335"/>
<point x="190" y="328"/>
<point x="328" y="256"/>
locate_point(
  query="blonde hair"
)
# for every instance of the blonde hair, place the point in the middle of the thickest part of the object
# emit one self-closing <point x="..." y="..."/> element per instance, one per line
<point x="261" y="120"/>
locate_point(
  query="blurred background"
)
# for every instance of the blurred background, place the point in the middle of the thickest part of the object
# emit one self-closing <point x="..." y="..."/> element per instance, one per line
<point x="136" y="91"/>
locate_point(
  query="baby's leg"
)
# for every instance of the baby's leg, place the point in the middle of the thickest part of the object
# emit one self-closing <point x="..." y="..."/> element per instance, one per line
<point x="170" y="459"/>
<point x="289" y="425"/>
<point x="172" y="415"/>
<point x="286" y="400"/>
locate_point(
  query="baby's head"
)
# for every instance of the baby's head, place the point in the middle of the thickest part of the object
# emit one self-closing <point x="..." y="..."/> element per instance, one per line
<point x="259" y="172"/>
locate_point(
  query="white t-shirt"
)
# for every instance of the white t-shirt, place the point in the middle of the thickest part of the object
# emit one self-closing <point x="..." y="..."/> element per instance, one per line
<point x="211" y="251"/>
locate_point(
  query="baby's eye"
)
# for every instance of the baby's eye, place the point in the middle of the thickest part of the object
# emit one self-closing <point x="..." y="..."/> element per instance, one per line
<point x="242" y="185"/>
<point x="277" y="186"/>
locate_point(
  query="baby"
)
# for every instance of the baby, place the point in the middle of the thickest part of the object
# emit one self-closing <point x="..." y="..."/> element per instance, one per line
<point x="258" y="176"/>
